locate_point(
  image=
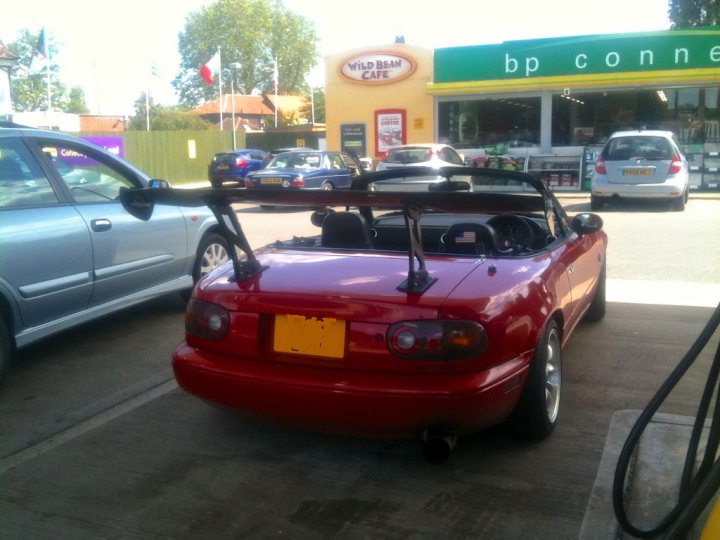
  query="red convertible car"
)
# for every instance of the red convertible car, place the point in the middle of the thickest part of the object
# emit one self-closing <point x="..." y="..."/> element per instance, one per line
<point x="432" y="312"/>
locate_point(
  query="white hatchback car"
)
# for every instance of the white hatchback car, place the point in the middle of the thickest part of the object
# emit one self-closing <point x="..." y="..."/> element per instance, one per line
<point x="641" y="165"/>
<point x="420" y="155"/>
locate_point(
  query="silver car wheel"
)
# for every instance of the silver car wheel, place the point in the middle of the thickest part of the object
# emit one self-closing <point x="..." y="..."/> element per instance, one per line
<point x="211" y="253"/>
<point x="213" y="256"/>
<point x="553" y="375"/>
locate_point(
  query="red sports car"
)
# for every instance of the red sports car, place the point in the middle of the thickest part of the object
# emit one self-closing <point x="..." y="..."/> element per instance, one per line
<point x="431" y="311"/>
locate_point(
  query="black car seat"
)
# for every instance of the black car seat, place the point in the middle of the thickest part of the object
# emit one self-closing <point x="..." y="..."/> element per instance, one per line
<point x="469" y="238"/>
<point x="345" y="230"/>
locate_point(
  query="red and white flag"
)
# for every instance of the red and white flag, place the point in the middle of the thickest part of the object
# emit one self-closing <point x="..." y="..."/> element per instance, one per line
<point x="210" y="68"/>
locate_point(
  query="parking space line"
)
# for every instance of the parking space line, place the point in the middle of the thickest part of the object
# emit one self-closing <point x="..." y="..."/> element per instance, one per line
<point x="26" y="454"/>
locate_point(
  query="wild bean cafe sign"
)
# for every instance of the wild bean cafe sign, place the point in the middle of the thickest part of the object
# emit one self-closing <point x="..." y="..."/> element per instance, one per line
<point x="682" y="55"/>
<point x="378" y="67"/>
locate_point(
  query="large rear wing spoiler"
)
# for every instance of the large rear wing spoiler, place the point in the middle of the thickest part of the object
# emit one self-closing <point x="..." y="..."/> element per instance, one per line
<point x="140" y="203"/>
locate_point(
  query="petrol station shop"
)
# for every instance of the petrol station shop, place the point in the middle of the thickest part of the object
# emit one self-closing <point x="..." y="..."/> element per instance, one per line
<point x="545" y="106"/>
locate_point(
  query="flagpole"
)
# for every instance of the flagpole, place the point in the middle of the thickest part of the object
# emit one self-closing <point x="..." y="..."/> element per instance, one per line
<point x="220" y="88"/>
<point x="47" y="69"/>
<point x="275" y="82"/>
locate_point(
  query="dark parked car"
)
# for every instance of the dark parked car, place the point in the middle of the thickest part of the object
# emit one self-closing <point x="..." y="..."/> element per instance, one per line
<point x="234" y="166"/>
<point x="307" y="170"/>
<point x="69" y="252"/>
<point x="275" y="151"/>
<point x="425" y="314"/>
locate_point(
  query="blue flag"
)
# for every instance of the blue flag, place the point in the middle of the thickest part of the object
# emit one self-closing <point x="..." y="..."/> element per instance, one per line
<point x="41" y="46"/>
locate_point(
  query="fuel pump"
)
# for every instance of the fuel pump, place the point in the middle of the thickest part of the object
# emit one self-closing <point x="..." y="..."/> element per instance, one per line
<point x="698" y="485"/>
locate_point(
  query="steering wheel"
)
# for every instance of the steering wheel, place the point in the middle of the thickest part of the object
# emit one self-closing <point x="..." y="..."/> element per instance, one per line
<point x="514" y="232"/>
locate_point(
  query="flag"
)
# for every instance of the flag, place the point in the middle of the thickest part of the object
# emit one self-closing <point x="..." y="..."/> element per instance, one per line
<point x="41" y="45"/>
<point x="210" y="68"/>
<point x="40" y="55"/>
<point x="465" y="237"/>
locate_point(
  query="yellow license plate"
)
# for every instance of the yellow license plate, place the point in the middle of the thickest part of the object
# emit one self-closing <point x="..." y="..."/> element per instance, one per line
<point x="313" y="336"/>
<point x="271" y="180"/>
<point x="637" y="172"/>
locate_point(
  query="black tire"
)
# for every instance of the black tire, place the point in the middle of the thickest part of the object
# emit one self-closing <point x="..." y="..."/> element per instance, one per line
<point x="5" y="350"/>
<point x="596" y="311"/>
<point x="213" y="251"/>
<point x="536" y="412"/>
<point x="679" y="204"/>
<point x="596" y="203"/>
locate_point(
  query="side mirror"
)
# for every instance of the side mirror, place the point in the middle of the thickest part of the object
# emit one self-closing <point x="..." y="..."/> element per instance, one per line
<point x="586" y="223"/>
<point x="156" y="183"/>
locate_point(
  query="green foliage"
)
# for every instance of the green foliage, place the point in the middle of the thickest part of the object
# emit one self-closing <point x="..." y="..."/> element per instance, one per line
<point x="29" y="86"/>
<point x="76" y="101"/>
<point x="689" y="13"/>
<point x="315" y="106"/>
<point x="253" y="33"/>
<point x="164" y="118"/>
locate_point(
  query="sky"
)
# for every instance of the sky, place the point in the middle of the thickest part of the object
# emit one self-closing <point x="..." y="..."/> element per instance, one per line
<point x="108" y="48"/>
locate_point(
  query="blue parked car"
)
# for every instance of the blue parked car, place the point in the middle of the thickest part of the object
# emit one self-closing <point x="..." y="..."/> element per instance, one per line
<point x="234" y="166"/>
<point x="307" y="170"/>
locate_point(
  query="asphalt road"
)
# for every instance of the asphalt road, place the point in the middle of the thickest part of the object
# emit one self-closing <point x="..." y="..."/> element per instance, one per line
<point x="96" y="441"/>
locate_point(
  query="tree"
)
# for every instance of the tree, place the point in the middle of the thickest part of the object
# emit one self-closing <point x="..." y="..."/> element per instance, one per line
<point x="164" y="118"/>
<point x="315" y="107"/>
<point x="253" y="33"/>
<point x="29" y="86"/>
<point x="688" y="13"/>
<point x="76" y="101"/>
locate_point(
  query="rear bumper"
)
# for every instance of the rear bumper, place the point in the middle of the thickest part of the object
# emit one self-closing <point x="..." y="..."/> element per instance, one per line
<point x="667" y="190"/>
<point x="227" y="177"/>
<point x="382" y="405"/>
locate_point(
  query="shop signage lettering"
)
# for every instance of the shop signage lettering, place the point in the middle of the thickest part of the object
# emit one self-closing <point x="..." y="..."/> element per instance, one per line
<point x="620" y="53"/>
<point x="378" y="67"/>
<point x="613" y="59"/>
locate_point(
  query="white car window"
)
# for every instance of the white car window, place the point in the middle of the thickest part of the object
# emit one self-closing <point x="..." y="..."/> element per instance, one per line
<point x="87" y="178"/>
<point x="22" y="182"/>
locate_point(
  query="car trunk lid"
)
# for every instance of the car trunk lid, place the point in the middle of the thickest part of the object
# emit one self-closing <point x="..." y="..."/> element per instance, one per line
<point x="328" y="308"/>
<point x="637" y="171"/>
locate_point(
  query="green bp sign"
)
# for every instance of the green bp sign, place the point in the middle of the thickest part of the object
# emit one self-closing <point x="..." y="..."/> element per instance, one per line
<point x="572" y="59"/>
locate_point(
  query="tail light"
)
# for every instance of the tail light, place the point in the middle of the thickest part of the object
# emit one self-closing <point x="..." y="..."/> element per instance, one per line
<point x="437" y="340"/>
<point x="297" y="182"/>
<point x="240" y="163"/>
<point x="206" y="320"/>
<point x="675" y="165"/>
<point x="600" y="166"/>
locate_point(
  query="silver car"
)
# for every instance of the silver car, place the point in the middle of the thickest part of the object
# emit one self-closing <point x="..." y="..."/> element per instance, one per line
<point x="641" y="165"/>
<point x="420" y="155"/>
<point x="69" y="252"/>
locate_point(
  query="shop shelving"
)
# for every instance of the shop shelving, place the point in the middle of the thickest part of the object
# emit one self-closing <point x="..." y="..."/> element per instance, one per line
<point x="560" y="172"/>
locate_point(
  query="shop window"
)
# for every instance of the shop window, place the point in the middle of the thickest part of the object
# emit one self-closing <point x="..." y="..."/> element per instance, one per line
<point x="589" y="118"/>
<point x="492" y="123"/>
